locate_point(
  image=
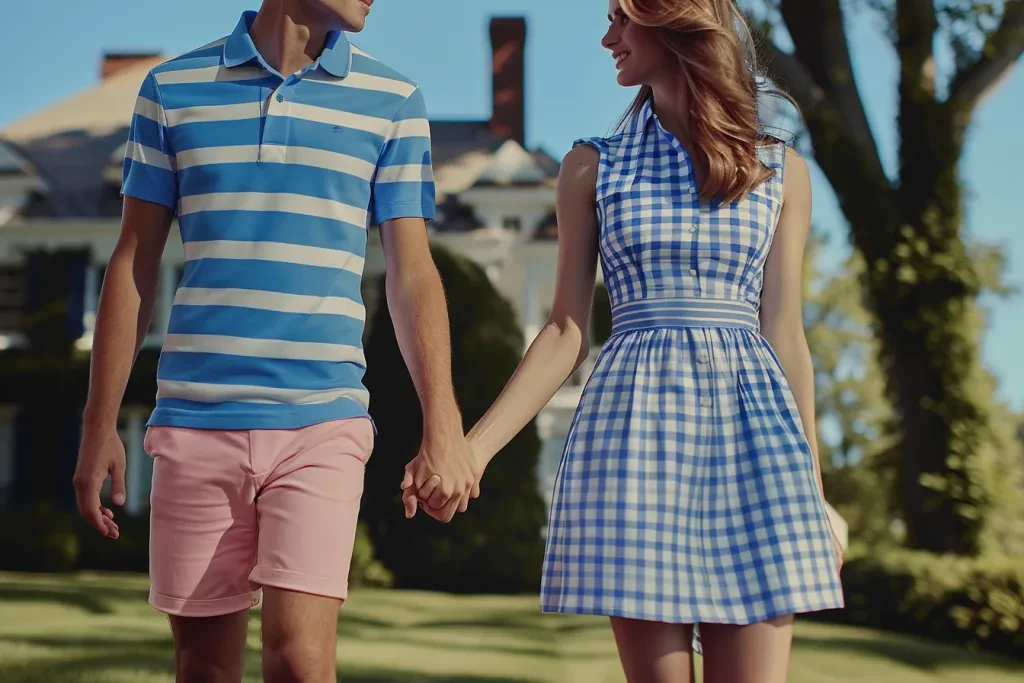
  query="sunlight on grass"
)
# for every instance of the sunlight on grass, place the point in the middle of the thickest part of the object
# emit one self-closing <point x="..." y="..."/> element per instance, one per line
<point x="98" y="629"/>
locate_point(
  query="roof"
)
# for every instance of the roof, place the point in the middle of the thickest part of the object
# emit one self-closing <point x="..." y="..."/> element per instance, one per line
<point x="73" y="147"/>
<point x="70" y="143"/>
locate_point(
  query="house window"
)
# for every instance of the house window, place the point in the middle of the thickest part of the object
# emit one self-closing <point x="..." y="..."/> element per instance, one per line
<point x="131" y="427"/>
<point x="513" y="223"/>
<point x="7" y="445"/>
<point x="12" y="305"/>
<point x="166" y="287"/>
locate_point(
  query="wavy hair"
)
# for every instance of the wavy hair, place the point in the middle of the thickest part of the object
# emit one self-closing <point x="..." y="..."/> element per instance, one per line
<point x="718" y="60"/>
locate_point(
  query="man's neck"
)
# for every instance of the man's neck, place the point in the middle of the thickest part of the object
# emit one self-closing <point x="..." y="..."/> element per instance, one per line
<point x="286" y="36"/>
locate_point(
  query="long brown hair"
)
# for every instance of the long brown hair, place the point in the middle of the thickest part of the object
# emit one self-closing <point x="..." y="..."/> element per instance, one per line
<point x="718" y="60"/>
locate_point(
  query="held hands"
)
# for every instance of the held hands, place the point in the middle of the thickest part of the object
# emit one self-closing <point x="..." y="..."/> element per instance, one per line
<point x="443" y="477"/>
<point x="101" y="455"/>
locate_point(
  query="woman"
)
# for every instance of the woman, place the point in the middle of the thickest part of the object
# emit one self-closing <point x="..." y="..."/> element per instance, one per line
<point x="689" y="491"/>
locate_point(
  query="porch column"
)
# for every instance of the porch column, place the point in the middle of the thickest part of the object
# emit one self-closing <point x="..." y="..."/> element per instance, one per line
<point x="135" y="434"/>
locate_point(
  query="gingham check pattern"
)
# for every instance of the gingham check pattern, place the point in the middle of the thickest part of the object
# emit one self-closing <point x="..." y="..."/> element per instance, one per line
<point x="687" y="491"/>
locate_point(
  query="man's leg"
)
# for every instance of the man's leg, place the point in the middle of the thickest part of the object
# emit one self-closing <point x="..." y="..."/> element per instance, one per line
<point x="308" y="510"/>
<point x="299" y="637"/>
<point x="202" y="547"/>
<point x="210" y="649"/>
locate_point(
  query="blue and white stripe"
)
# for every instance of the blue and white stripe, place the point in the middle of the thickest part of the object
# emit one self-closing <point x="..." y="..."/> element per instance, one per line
<point x="274" y="180"/>
<point x="646" y="314"/>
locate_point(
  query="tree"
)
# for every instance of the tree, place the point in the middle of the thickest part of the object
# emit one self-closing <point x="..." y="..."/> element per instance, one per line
<point x="496" y="546"/>
<point x="851" y="408"/>
<point x="921" y="279"/>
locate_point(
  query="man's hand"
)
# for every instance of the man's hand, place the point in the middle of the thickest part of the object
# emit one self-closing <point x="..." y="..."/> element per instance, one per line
<point x="443" y="476"/>
<point x="101" y="455"/>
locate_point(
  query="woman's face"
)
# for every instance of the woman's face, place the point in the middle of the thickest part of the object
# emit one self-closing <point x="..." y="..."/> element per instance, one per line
<point x="639" y="55"/>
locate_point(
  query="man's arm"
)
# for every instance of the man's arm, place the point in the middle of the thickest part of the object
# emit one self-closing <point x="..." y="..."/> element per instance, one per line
<point x="443" y="471"/>
<point x="126" y="302"/>
<point x="125" y="309"/>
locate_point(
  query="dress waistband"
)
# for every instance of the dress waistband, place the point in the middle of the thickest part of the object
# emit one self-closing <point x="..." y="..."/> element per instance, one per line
<point x="646" y="314"/>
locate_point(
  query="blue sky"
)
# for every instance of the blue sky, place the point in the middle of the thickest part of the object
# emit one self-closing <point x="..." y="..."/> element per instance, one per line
<point x="571" y="93"/>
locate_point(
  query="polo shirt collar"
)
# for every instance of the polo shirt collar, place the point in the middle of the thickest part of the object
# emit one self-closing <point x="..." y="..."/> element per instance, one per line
<point x="239" y="49"/>
<point x="336" y="59"/>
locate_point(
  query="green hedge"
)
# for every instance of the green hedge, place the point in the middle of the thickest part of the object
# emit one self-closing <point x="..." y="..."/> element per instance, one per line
<point x="43" y="539"/>
<point x="496" y="547"/>
<point x="978" y="602"/>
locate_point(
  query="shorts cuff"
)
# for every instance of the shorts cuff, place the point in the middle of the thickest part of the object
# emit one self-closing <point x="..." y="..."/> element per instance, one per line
<point x="301" y="583"/>
<point x="184" y="607"/>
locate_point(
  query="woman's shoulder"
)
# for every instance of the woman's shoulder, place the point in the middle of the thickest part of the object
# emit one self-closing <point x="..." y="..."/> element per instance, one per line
<point x="608" y="147"/>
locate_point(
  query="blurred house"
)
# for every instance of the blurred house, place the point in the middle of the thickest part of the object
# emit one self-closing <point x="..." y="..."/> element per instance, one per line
<point x="60" y="176"/>
<point x="60" y="179"/>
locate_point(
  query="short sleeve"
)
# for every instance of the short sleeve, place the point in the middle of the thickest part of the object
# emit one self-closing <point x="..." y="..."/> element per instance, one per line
<point x="403" y="185"/>
<point x="149" y="164"/>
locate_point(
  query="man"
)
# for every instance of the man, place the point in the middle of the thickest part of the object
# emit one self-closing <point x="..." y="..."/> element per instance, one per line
<point x="275" y="148"/>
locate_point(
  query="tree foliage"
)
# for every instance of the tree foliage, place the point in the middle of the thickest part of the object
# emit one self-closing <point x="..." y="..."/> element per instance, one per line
<point x="921" y="278"/>
<point x="496" y="546"/>
<point x="853" y="413"/>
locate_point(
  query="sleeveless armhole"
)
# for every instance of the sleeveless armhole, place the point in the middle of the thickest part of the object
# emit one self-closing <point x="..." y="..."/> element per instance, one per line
<point x="775" y="155"/>
<point x="598" y="144"/>
<point x="783" y="155"/>
<point x="601" y="183"/>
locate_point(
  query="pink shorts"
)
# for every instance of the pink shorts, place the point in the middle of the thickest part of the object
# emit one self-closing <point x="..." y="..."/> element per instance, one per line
<point x="233" y="511"/>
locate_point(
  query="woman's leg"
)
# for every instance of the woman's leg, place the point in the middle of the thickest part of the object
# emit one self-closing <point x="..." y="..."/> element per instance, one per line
<point x="652" y="652"/>
<point x="758" y="653"/>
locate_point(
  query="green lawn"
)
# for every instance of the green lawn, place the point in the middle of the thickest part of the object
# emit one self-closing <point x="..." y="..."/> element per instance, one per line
<point x="98" y="629"/>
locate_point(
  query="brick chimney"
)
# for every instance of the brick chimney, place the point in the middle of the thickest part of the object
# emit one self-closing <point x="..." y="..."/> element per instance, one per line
<point x="508" y="42"/>
<point x="113" y="62"/>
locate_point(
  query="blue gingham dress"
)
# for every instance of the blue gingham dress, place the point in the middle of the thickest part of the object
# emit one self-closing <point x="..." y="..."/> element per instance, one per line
<point x="686" y="492"/>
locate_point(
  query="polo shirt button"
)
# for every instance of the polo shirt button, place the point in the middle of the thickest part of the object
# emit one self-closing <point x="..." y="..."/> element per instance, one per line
<point x="280" y="97"/>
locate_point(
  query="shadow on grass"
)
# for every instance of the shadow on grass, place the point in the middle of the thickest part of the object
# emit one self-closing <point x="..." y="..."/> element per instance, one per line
<point x="153" y="656"/>
<point x="91" y="599"/>
<point x="145" y="657"/>
<point x="926" y="656"/>
<point x="395" y="676"/>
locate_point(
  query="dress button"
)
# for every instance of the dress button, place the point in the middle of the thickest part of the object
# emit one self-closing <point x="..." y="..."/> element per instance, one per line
<point x="702" y="357"/>
<point x="693" y="271"/>
<point x="693" y="229"/>
<point x="705" y="402"/>
<point x="280" y="97"/>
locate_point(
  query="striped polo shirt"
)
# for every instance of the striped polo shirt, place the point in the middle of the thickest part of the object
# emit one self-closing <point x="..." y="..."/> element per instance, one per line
<point x="275" y="180"/>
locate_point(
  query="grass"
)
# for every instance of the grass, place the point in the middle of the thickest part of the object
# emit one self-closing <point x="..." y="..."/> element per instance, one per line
<point x="98" y="628"/>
